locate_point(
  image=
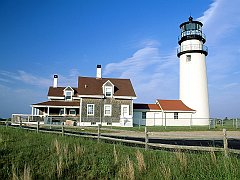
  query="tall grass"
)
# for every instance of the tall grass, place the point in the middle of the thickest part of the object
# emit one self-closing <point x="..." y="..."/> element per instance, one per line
<point x="31" y="155"/>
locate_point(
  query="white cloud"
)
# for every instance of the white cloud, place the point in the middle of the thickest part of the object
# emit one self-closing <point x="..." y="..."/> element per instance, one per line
<point x="152" y="75"/>
<point x="43" y="82"/>
<point x="221" y="19"/>
<point x="221" y="25"/>
<point x="13" y="85"/>
<point x="25" y="77"/>
<point x="155" y="76"/>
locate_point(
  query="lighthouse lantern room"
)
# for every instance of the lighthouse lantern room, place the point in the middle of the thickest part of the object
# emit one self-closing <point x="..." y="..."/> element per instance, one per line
<point x="193" y="77"/>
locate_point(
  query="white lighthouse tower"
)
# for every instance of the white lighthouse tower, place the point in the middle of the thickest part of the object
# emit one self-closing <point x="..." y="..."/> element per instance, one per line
<point x="193" y="76"/>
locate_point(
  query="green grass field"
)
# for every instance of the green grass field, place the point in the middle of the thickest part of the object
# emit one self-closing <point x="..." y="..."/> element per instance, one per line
<point x="30" y="155"/>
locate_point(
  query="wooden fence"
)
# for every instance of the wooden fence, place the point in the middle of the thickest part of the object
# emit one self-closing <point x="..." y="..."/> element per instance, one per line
<point x="61" y="130"/>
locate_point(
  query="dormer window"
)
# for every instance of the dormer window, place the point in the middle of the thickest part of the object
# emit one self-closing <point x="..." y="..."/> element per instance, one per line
<point x="108" y="91"/>
<point x="68" y="93"/>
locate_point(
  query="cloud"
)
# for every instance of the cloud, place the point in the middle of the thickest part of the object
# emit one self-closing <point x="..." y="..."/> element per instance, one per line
<point x="221" y="19"/>
<point x="42" y="82"/>
<point x="16" y="84"/>
<point x="25" y="77"/>
<point x="156" y="76"/>
<point x="151" y="73"/>
<point x="222" y="25"/>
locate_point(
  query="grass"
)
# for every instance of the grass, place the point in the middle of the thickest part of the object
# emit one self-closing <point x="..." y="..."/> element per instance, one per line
<point x="30" y="155"/>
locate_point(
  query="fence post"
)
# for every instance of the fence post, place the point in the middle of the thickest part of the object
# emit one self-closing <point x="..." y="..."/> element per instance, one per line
<point x="225" y="142"/>
<point x="236" y="123"/>
<point x="37" y="126"/>
<point x="50" y="122"/>
<point x="62" y="128"/>
<point x="146" y="138"/>
<point x="99" y="133"/>
<point x="20" y="122"/>
<point x="6" y="123"/>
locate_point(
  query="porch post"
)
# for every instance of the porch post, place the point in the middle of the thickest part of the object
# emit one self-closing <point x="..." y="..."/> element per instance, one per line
<point x="64" y="111"/>
<point x="80" y="112"/>
<point x="165" y="120"/>
<point x="32" y="109"/>
<point x="48" y="110"/>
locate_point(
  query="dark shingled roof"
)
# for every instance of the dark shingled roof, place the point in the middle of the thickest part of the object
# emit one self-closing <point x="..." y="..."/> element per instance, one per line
<point x="59" y="103"/>
<point x="58" y="91"/>
<point x="173" y="105"/>
<point x="93" y="86"/>
<point x="146" y="106"/>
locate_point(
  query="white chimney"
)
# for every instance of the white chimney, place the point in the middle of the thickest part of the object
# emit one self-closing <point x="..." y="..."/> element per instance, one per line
<point x="99" y="72"/>
<point x="55" y="81"/>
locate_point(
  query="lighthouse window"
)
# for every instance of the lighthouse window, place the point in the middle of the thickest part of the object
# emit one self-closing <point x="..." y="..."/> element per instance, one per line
<point x="188" y="58"/>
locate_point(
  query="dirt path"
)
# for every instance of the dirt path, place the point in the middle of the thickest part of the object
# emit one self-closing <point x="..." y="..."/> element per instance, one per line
<point x="180" y="134"/>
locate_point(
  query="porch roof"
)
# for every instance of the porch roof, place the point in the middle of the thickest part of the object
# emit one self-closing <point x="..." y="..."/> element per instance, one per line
<point x="58" y="103"/>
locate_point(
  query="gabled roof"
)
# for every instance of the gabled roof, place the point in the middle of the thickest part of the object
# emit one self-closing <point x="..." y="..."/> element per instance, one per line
<point x="93" y="86"/>
<point x="68" y="88"/>
<point x="58" y="103"/>
<point x="58" y="91"/>
<point x="107" y="83"/>
<point x="173" y="105"/>
<point x="146" y="106"/>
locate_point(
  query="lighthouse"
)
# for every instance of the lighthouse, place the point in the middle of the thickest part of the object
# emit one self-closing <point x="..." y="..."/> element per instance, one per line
<point x="193" y="76"/>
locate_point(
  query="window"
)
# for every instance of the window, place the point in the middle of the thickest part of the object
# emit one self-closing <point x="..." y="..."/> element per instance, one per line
<point x="144" y="115"/>
<point x="93" y="123"/>
<point x="107" y="110"/>
<point x="61" y="112"/>
<point x="90" y="109"/>
<point x="68" y="95"/>
<point x="175" y="115"/>
<point x="125" y="110"/>
<point x="188" y="58"/>
<point x="108" y="91"/>
<point x="72" y="112"/>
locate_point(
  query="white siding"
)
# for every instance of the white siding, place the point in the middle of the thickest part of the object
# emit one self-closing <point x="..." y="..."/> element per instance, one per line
<point x="159" y="118"/>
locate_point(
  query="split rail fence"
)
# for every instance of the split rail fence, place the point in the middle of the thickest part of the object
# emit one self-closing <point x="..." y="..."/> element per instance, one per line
<point x="97" y="134"/>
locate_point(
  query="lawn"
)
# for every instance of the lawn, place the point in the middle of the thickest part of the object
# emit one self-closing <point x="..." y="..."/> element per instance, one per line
<point x="27" y="154"/>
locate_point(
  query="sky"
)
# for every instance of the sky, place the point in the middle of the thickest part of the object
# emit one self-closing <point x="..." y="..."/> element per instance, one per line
<point x="134" y="39"/>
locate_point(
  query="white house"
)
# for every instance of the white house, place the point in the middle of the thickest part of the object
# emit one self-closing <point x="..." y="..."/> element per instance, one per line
<point x="163" y="113"/>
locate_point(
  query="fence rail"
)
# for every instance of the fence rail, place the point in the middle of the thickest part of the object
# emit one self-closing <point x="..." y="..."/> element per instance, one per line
<point x="99" y="135"/>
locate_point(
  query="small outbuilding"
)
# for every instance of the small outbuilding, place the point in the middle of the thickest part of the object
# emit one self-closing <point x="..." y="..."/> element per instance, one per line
<point x="163" y="113"/>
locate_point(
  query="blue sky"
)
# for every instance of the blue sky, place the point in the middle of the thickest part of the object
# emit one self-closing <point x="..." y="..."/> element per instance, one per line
<point x="134" y="39"/>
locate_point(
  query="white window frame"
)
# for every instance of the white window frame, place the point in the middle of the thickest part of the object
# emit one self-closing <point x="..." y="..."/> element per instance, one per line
<point x="71" y="93"/>
<point x="122" y="109"/>
<point x="88" y="106"/>
<point x="108" y="89"/>
<point x="110" y="110"/>
<point x="74" y="112"/>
